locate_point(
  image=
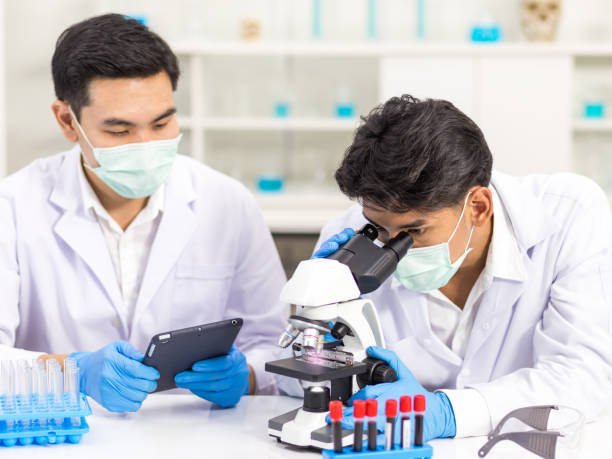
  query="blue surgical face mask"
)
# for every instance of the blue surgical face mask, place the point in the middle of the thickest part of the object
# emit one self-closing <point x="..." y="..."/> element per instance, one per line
<point x="429" y="268"/>
<point x="133" y="170"/>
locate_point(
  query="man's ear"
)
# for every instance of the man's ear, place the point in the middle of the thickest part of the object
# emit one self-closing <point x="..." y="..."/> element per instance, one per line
<point x="480" y="204"/>
<point x="64" y="119"/>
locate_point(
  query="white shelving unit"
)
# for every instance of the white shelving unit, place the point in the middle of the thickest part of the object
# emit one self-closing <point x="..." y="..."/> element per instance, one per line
<point x="487" y="83"/>
<point x="594" y="125"/>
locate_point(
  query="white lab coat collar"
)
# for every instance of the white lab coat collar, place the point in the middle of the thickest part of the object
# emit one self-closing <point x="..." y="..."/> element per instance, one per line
<point x="154" y="206"/>
<point x="504" y="260"/>
<point x="530" y="221"/>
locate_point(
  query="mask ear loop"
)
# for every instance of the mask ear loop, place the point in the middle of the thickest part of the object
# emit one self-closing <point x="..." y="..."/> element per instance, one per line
<point x="460" y="217"/>
<point x="82" y="132"/>
<point x="467" y="246"/>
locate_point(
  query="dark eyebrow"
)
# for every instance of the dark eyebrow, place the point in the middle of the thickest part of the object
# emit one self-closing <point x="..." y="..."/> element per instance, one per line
<point x="166" y="114"/>
<point x="120" y="122"/>
<point x="414" y="224"/>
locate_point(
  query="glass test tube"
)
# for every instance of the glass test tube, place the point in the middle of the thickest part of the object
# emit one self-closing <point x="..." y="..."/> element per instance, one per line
<point x="56" y="392"/>
<point x="24" y="388"/>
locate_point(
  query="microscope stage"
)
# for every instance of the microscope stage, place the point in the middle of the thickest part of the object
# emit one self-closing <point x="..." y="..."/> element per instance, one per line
<point x="298" y="368"/>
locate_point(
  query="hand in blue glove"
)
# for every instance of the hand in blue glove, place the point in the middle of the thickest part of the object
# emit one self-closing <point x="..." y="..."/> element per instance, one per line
<point x="439" y="420"/>
<point x="334" y="243"/>
<point x="221" y="380"/>
<point x="115" y="377"/>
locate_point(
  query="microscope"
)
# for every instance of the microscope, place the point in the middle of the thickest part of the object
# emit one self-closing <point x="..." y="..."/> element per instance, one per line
<point x="327" y="295"/>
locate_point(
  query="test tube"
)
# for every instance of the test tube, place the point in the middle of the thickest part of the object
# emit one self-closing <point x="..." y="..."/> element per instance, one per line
<point x="72" y="388"/>
<point x="40" y="385"/>
<point x="419" y="411"/>
<point x="8" y="390"/>
<point x="406" y="409"/>
<point x="359" y="410"/>
<point x="8" y="385"/>
<point x="372" y="413"/>
<point x="390" y="413"/>
<point x="335" y="413"/>
<point x="71" y="383"/>
<point x="56" y="392"/>
<point x="24" y="388"/>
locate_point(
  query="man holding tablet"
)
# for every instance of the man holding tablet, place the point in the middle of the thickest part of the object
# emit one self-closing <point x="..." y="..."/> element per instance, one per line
<point x="120" y="238"/>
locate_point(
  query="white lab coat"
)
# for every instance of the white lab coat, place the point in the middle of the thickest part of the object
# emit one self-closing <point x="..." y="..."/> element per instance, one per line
<point x="544" y="340"/>
<point x="213" y="258"/>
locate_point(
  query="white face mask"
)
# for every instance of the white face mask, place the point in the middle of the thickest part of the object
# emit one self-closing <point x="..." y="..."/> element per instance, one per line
<point x="133" y="170"/>
<point x="429" y="268"/>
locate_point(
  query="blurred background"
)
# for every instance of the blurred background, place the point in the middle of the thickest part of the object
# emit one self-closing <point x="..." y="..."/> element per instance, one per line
<point x="272" y="90"/>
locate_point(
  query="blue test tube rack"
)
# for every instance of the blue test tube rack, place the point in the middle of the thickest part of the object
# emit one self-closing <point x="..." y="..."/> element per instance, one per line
<point x="425" y="452"/>
<point x="51" y="426"/>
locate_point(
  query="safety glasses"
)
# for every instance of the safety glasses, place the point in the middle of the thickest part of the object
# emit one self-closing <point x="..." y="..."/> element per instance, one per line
<point x="550" y="431"/>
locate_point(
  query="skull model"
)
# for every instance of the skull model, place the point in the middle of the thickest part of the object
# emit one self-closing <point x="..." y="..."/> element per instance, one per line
<point x="540" y="19"/>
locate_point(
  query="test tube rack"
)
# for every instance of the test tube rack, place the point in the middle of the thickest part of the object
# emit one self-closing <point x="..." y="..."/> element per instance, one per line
<point x="65" y="424"/>
<point x="425" y="452"/>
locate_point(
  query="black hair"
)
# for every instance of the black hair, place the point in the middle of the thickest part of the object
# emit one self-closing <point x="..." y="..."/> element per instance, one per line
<point x="410" y="154"/>
<point x="107" y="46"/>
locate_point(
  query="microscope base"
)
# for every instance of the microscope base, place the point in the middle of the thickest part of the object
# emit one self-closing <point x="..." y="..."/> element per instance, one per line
<point x="306" y="430"/>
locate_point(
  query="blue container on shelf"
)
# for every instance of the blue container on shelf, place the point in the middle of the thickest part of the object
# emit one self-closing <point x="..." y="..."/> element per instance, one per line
<point x="345" y="110"/>
<point x="594" y="109"/>
<point x="486" y="33"/>
<point x="269" y="183"/>
<point x="282" y="109"/>
<point x="42" y="427"/>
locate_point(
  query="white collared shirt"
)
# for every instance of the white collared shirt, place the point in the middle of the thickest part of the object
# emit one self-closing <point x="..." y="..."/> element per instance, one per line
<point x="129" y="249"/>
<point x="453" y="326"/>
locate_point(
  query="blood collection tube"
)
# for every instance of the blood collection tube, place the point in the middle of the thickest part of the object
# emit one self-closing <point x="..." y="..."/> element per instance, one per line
<point x="359" y="411"/>
<point x="391" y="414"/>
<point x="419" y="409"/>
<point x="335" y="413"/>
<point x="405" y="410"/>
<point x="372" y="413"/>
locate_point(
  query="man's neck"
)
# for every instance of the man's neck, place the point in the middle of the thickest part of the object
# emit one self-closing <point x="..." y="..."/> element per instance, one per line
<point x="122" y="210"/>
<point x="459" y="287"/>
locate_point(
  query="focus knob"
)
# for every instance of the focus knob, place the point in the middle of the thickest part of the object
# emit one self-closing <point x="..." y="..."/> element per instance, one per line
<point x="378" y="372"/>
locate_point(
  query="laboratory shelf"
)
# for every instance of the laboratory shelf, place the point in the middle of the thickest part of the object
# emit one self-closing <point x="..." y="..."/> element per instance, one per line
<point x="271" y="124"/>
<point x="207" y="48"/>
<point x="303" y="212"/>
<point x="593" y="125"/>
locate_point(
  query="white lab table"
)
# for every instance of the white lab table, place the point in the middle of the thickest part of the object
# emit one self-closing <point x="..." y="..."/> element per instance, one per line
<point x="172" y="426"/>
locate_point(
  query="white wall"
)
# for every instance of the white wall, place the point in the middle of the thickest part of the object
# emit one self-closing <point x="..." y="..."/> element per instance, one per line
<point x="31" y="28"/>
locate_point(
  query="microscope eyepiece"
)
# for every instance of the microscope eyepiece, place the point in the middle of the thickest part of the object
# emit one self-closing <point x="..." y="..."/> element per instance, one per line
<point x="400" y="244"/>
<point x="369" y="231"/>
<point x="370" y="263"/>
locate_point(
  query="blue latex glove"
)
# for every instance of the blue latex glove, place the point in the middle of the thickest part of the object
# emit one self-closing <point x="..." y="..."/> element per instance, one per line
<point x="221" y="380"/>
<point x="334" y="243"/>
<point x="439" y="421"/>
<point x="115" y="377"/>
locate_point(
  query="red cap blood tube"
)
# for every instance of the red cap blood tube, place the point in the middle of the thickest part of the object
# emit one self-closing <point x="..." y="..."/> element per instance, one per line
<point x="359" y="411"/>
<point x="372" y="412"/>
<point x="406" y="409"/>
<point x="391" y="414"/>
<point x="335" y="413"/>
<point x="419" y="408"/>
